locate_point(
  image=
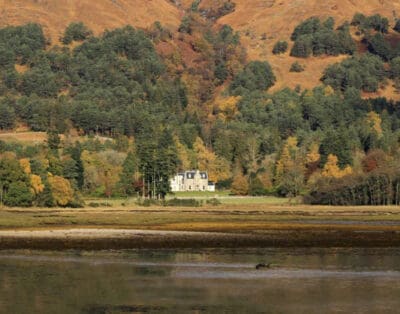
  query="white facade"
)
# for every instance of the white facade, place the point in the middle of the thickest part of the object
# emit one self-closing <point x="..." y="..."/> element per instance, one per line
<point x="193" y="180"/>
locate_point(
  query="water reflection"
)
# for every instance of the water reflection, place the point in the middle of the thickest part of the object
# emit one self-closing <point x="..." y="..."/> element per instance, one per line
<point x="204" y="281"/>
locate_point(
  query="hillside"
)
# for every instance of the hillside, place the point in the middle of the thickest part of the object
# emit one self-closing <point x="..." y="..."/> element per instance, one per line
<point x="99" y="15"/>
<point x="260" y="23"/>
<point x="277" y="19"/>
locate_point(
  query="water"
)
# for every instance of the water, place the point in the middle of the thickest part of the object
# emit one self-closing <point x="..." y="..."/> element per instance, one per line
<point x="201" y="281"/>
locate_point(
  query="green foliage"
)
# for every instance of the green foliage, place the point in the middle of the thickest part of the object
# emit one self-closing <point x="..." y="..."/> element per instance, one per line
<point x="257" y="75"/>
<point x="158" y="161"/>
<point x="395" y="68"/>
<point x="18" y="194"/>
<point x="379" y="46"/>
<point x="303" y="47"/>
<point x="180" y="202"/>
<point x="314" y="37"/>
<point x="76" y="31"/>
<point x="308" y="27"/>
<point x="296" y="67"/>
<point x="280" y="47"/>
<point x="14" y="183"/>
<point x="127" y="179"/>
<point x="256" y="187"/>
<point x="21" y="42"/>
<point x="337" y="142"/>
<point x="53" y="140"/>
<point x="7" y="115"/>
<point x="195" y="5"/>
<point x="186" y="26"/>
<point x="380" y="187"/>
<point x="215" y="13"/>
<point x="397" y="26"/>
<point x="364" y="72"/>
<point x="213" y="202"/>
<point x="375" y="22"/>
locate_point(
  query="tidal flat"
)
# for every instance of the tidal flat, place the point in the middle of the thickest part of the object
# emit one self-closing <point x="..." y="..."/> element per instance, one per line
<point x="226" y="225"/>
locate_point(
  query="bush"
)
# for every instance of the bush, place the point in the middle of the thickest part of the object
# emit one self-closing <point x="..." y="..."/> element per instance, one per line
<point x="75" y="32"/>
<point x="280" y="47"/>
<point x="303" y="47"/>
<point x="147" y="202"/>
<point x="177" y="202"/>
<point x="296" y="67"/>
<point x="375" y="22"/>
<point x="397" y="26"/>
<point x="213" y="202"/>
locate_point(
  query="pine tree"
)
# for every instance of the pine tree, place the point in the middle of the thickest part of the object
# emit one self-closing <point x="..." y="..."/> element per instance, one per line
<point x="127" y="177"/>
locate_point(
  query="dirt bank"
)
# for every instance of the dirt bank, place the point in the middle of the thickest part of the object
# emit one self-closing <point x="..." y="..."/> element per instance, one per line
<point x="99" y="239"/>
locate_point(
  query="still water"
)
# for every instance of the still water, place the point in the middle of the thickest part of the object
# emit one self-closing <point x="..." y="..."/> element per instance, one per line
<point x="201" y="281"/>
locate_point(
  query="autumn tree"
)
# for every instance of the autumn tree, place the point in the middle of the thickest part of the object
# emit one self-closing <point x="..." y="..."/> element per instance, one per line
<point x="217" y="167"/>
<point x="332" y="170"/>
<point x="240" y="185"/>
<point x="62" y="191"/>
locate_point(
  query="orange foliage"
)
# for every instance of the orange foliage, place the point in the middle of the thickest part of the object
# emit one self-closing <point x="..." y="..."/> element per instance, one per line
<point x="332" y="170"/>
<point x="25" y="165"/>
<point x="218" y="168"/>
<point x="37" y="184"/>
<point x="240" y="186"/>
<point x="61" y="190"/>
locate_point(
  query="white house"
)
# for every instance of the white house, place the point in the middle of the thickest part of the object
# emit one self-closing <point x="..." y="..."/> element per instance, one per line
<point x="192" y="180"/>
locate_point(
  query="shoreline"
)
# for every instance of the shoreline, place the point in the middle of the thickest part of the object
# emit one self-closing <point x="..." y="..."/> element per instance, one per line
<point x="108" y="239"/>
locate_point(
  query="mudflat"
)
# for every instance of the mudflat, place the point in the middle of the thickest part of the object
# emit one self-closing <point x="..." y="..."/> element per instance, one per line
<point x="223" y="226"/>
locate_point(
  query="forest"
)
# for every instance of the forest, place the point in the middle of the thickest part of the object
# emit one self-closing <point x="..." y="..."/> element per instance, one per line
<point x="122" y="115"/>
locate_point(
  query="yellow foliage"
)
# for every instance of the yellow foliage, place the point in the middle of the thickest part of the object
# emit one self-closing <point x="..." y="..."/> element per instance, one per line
<point x="375" y="122"/>
<point x="61" y="190"/>
<point x="240" y="186"/>
<point x="266" y="180"/>
<point x="37" y="184"/>
<point x="332" y="170"/>
<point x="25" y="165"/>
<point x="227" y="107"/>
<point x="287" y="158"/>
<point x="328" y="90"/>
<point x="218" y="168"/>
<point x="313" y="154"/>
<point x="183" y="154"/>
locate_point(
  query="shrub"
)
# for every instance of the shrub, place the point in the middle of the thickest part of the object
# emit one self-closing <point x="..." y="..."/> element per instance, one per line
<point x="280" y="47"/>
<point x="397" y="26"/>
<point x="75" y="32"/>
<point x="213" y="202"/>
<point x="190" y="202"/>
<point x="303" y="47"/>
<point x="296" y="67"/>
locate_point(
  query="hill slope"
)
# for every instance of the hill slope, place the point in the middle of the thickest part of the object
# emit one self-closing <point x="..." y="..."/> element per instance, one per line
<point x="99" y="15"/>
<point x="278" y="18"/>
<point x="260" y="22"/>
